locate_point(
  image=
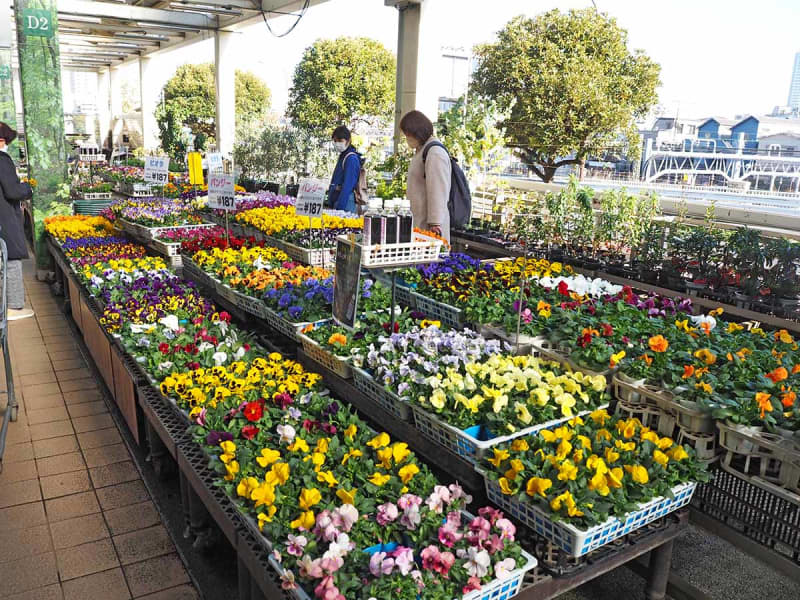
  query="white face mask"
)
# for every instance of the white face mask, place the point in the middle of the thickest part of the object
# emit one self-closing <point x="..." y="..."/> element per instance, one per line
<point x="340" y="146"/>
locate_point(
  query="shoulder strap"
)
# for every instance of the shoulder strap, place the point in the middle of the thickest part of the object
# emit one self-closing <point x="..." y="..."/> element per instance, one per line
<point x="432" y="145"/>
<point x="349" y="154"/>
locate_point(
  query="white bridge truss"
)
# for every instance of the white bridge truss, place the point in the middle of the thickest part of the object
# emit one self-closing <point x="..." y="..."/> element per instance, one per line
<point x="733" y="167"/>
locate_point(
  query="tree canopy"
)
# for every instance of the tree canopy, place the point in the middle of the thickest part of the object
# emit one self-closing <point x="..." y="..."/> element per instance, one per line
<point x="342" y="82"/>
<point x="569" y="84"/>
<point x="469" y="131"/>
<point x="190" y="98"/>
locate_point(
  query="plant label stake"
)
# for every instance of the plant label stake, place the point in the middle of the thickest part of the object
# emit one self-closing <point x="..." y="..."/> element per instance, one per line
<point x="310" y="198"/>
<point x="221" y="195"/>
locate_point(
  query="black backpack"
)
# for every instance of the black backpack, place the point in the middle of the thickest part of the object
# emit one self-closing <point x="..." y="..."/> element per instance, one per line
<point x="460" y="203"/>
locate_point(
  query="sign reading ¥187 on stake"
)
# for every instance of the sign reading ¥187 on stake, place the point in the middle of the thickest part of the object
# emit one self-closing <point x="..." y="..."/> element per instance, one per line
<point x="310" y="197"/>
<point x="220" y="192"/>
<point x="156" y="169"/>
<point x="37" y="22"/>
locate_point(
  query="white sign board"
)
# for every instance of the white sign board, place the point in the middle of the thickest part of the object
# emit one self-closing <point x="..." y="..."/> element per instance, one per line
<point x="90" y="154"/>
<point x="220" y="192"/>
<point x="156" y="169"/>
<point x="310" y="197"/>
<point x="214" y="162"/>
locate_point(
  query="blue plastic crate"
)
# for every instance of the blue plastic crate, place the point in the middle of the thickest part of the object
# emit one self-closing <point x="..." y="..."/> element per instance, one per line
<point x="577" y="542"/>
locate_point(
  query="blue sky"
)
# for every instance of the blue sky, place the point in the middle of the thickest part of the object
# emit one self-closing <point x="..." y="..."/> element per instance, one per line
<point x="722" y="57"/>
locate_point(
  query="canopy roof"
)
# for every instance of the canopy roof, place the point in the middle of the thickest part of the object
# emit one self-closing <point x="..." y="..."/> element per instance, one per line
<point x="94" y="35"/>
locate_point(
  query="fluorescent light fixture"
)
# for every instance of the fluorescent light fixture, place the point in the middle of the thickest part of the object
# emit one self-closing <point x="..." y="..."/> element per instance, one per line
<point x="204" y="9"/>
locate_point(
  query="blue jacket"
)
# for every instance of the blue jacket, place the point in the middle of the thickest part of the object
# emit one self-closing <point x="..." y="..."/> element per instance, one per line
<point x="344" y="180"/>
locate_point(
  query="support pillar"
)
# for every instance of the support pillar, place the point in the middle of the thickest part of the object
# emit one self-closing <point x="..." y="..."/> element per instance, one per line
<point x="149" y="97"/>
<point x="104" y="109"/>
<point x="417" y="52"/>
<point x="40" y="78"/>
<point x="8" y="108"/>
<point x="224" y="79"/>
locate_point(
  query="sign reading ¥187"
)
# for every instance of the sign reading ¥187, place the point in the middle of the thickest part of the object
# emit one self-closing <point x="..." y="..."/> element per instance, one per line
<point x="37" y="22"/>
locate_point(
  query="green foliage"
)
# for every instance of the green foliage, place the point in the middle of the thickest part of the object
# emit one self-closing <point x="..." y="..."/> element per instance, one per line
<point x="470" y="133"/>
<point x="397" y="166"/>
<point x="342" y="81"/>
<point x="569" y="83"/>
<point x="272" y="150"/>
<point x="190" y="98"/>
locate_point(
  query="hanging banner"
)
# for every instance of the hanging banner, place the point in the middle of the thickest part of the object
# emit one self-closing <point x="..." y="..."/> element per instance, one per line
<point x="40" y="82"/>
<point x="195" y="168"/>
<point x="311" y="197"/>
<point x="346" y="282"/>
<point x="156" y="169"/>
<point x="220" y="192"/>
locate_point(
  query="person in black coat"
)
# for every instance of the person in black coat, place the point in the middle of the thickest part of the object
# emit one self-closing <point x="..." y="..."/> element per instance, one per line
<point x="12" y="229"/>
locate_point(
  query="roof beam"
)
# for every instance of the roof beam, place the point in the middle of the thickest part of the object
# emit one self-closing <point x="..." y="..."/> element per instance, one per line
<point x="139" y="43"/>
<point x="112" y="28"/>
<point x="139" y="14"/>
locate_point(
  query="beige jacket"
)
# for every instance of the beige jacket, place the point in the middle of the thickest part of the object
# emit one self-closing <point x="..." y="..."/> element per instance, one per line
<point x="428" y="189"/>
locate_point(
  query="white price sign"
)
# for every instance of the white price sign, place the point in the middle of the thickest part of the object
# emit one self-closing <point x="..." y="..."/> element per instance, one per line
<point x="220" y="192"/>
<point x="91" y="155"/>
<point x="214" y="161"/>
<point x="156" y="169"/>
<point x="310" y="197"/>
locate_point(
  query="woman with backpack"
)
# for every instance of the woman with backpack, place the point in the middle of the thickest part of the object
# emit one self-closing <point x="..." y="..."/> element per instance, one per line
<point x="344" y="188"/>
<point x="429" y="175"/>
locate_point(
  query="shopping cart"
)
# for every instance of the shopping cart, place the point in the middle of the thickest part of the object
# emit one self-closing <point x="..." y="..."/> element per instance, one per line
<point x="11" y="405"/>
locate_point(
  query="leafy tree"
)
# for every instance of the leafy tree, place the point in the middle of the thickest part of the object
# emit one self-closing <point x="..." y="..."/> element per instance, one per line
<point x="569" y="83"/>
<point x="273" y="150"/>
<point x="342" y="81"/>
<point x="190" y="98"/>
<point x="469" y="130"/>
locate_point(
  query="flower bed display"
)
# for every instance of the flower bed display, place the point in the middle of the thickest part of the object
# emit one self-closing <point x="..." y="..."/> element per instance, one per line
<point x="592" y="480"/>
<point x="282" y="224"/>
<point x="92" y="249"/>
<point x="468" y="396"/>
<point x="194" y="239"/>
<point x="77" y="226"/>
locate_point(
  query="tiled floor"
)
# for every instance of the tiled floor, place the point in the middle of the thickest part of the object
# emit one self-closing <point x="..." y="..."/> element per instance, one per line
<point x="76" y="521"/>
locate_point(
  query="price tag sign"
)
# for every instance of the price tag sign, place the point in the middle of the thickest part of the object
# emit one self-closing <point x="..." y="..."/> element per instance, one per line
<point x="310" y="197"/>
<point x="91" y="155"/>
<point x="156" y="169"/>
<point x="214" y="161"/>
<point x="220" y="192"/>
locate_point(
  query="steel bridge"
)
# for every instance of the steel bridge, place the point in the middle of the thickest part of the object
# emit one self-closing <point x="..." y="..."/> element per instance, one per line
<point x="743" y="169"/>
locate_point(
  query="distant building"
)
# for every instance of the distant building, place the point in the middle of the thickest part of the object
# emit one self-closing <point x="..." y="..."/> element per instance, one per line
<point x="715" y="128"/>
<point x="781" y="144"/>
<point x="671" y="132"/>
<point x="794" y="86"/>
<point x="455" y="73"/>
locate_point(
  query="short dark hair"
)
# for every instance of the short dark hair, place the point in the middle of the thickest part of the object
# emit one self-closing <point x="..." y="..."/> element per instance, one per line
<point x="341" y="133"/>
<point x="417" y="125"/>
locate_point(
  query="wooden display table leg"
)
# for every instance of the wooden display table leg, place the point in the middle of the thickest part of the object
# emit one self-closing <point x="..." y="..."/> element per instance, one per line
<point x="660" y="564"/>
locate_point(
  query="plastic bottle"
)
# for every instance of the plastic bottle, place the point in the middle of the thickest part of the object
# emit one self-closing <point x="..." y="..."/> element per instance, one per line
<point x="392" y="221"/>
<point x="372" y="218"/>
<point x="406" y="219"/>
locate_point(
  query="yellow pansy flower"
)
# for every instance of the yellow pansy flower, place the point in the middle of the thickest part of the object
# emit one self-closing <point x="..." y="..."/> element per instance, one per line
<point x="246" y="486"/>
<point x="400" y="452"/>
<point x="614" y="477"/>
<point x="677" y="453"/>
<point x="660" y="458"/>
<point x="599" y="484"/>
<point x="567" y="471"/>
<point x="407" y="472"/>
<point x="351" y="454"/>
<point x="327" y="477"/>
<point x="385" y="457"/>
<point x="346" y="496"/>
<point x="305" y="521"/>
<point x="266" y="517"/>
<point x="379" y="441"/>
<point x="600" y="416"/>
<point x="519" y="445"/>
<point x="263" y="494"/>
<point x="268" y="456"/>
<point x="309" y="497"/>
<point x="499" y="457"/>
<point x="232" y="468"/>
<point x="504" y="486"/>
<point x="299" y="445"/>
<point x="379" y="479"/>
<point x="280" y="472"/>
<point x="350" y="432"/>
<point x="611" y="455"/>
<point x="638" y="473"/>
<point x="538" y="485"/>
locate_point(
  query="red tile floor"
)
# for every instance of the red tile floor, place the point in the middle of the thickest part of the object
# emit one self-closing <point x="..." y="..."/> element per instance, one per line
<point x="76" y="521"/>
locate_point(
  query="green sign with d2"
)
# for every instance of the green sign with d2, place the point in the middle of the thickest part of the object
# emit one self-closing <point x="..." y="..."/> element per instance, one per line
<point x="37" y="22"/>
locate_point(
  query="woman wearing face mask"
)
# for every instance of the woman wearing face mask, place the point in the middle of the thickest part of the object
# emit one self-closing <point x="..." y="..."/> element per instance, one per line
<point x="12" y="193"/>
<point x="428" y="187"/>
<point x="341" y="193"/>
